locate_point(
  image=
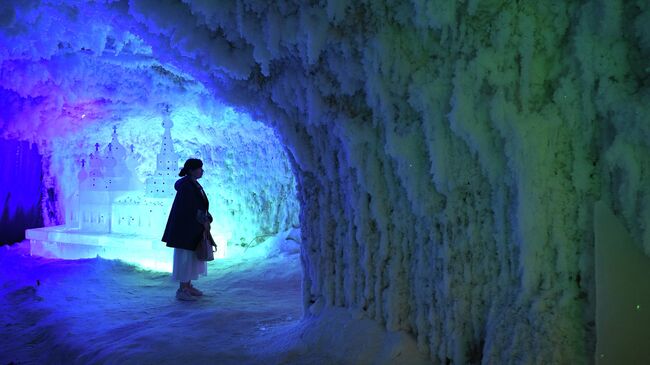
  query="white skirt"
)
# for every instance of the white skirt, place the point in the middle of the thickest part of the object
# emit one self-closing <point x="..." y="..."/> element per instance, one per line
<point x="187" y="267"/>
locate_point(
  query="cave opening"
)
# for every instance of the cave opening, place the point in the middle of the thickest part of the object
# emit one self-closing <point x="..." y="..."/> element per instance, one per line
<point x="98" y="113"/>
<point x="113" y="183"/>
<point x="247" y="173"/>
<point x="102" y="129"/>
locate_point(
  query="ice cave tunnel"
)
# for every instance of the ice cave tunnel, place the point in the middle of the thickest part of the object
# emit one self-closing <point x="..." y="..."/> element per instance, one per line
<point x="472" y="175"/>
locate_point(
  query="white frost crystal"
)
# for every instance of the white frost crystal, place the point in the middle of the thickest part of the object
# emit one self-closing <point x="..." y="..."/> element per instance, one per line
<point x="447" y="154"/>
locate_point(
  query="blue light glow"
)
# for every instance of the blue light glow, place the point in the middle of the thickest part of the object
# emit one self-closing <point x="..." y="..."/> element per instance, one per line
<point x="109" y="177"/>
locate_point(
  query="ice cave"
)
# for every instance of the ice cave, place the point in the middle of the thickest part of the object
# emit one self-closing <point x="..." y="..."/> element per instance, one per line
<point x="391" y="182"/>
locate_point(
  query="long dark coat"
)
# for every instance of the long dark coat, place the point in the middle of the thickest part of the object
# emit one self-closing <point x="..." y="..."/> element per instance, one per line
<point x="183" y="230"/>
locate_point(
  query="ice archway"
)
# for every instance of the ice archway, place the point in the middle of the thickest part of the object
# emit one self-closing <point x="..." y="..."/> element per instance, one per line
<point x="447" y="155"/>
<point x="78" y="102"/>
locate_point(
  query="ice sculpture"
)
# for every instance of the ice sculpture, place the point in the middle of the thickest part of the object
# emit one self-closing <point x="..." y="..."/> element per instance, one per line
<point x="114" y="216"/>
<point x="160" y="185"/>
<point x="108" y="181"/>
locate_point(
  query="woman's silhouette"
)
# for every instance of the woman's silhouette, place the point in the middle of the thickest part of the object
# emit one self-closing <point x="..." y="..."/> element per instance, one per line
<point x="188" y="220"/>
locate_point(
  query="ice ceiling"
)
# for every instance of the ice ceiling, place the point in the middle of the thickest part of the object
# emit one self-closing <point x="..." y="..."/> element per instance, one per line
<point x="447" y="154"/>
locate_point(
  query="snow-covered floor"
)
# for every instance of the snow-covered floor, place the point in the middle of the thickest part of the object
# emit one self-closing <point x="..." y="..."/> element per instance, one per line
<point x="97" y="311"/>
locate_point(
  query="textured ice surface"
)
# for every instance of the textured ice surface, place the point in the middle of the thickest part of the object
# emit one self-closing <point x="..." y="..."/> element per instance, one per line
<point x="447" y="154"/>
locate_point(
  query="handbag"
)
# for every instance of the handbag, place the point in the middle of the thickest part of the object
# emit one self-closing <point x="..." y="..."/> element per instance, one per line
<point x="206" y="248"/>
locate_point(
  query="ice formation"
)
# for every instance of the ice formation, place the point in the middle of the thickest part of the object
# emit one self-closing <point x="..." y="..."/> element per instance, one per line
<point x="447" y="155"/>
<point x="112" y="214"/>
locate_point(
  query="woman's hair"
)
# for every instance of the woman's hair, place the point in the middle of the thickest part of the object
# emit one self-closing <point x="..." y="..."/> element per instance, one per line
<point x="190" y="164"/>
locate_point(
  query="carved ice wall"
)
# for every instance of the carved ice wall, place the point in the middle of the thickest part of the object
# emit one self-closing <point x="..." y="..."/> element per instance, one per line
<point x="447" y="154"/>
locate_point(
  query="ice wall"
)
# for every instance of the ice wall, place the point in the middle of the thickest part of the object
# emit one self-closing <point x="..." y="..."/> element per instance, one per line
<point x="447" y="154"/>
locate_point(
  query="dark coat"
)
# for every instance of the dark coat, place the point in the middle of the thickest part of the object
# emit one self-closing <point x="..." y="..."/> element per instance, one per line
<point x="183" y="230"/>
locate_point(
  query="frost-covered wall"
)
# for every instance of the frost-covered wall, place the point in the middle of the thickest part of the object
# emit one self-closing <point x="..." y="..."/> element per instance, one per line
<point x="447" y="154"/>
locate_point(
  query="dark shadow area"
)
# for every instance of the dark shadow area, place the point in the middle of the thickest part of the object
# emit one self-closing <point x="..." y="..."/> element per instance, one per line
<point x="20" y="189"/>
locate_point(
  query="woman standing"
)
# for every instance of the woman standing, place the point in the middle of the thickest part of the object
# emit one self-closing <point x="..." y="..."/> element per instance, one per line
<point x="188" y="220"/>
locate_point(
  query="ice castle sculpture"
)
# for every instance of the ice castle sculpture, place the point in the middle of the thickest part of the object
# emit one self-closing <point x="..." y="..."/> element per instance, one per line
<point x="108" y="180"/>
<point x="161" y="184"/>
<point x="114" y="215"/>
